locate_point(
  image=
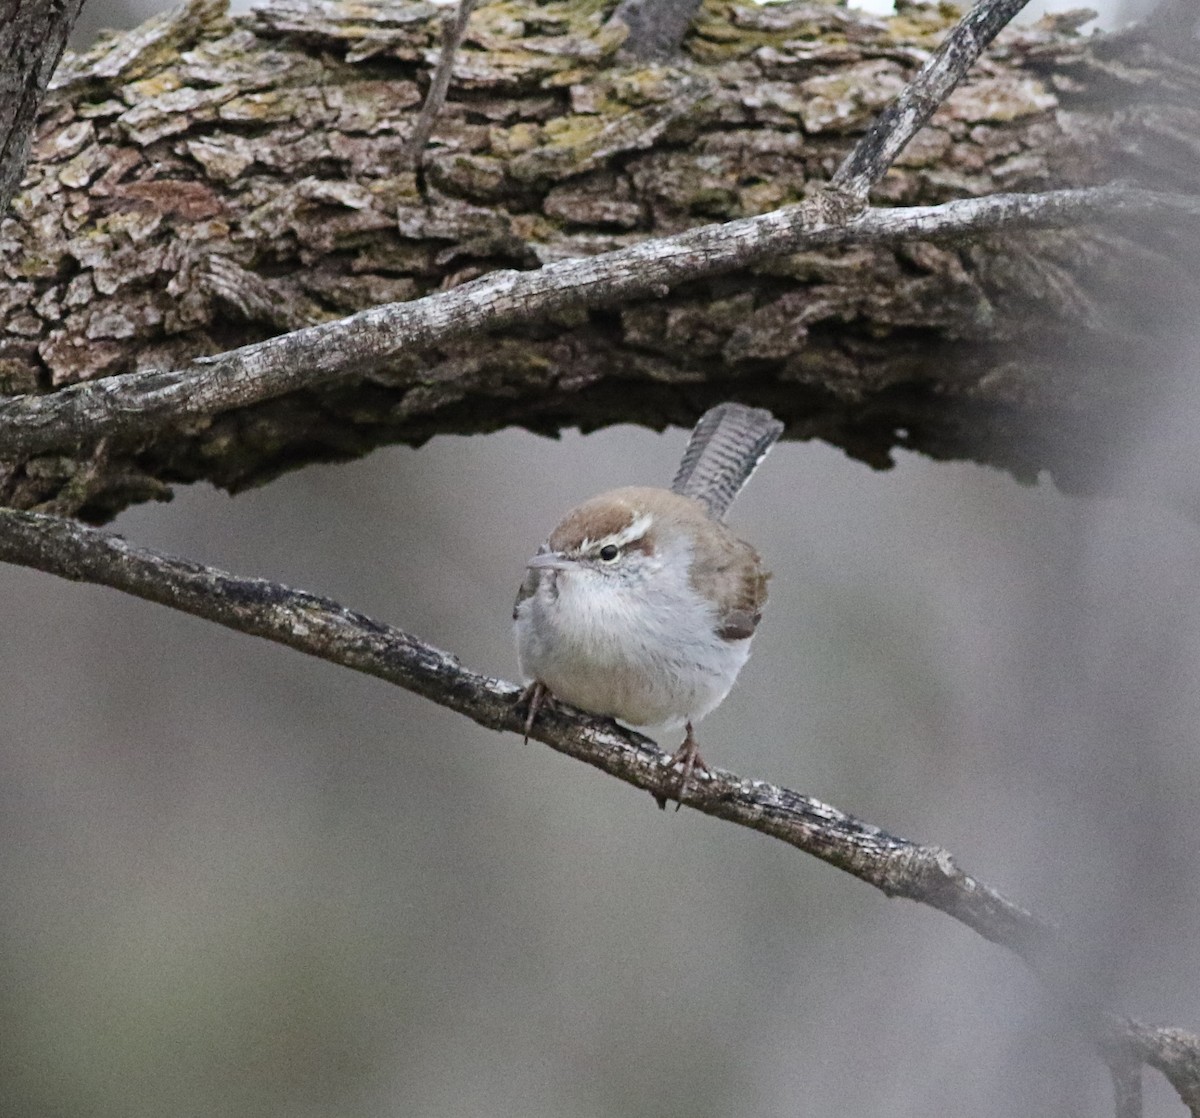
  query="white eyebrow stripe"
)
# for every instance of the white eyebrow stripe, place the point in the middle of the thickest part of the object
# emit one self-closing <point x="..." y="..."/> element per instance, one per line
<point x="635" y="530"/>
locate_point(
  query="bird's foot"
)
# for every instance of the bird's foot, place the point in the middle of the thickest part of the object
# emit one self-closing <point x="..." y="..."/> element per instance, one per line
<point x="689" y="755"/>
<point x="535" y="694"/>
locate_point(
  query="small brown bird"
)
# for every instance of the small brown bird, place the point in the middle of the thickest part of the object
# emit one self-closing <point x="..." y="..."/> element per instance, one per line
<point x="642" y="603"/>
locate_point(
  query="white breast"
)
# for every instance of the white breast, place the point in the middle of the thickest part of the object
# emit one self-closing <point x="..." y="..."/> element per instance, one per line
<point x="641" y="647"/>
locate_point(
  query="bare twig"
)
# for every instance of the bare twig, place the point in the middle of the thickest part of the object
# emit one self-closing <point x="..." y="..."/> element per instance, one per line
<point x="322" y="628"/>
<point x="908" y="114"/>
<point x="135" y="404"/>
<point x="33" y="35"/>
<point x="453" y="30"/>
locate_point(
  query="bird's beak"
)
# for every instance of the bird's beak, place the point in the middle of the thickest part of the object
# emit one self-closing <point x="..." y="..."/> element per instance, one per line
<point x="551" y="561"/>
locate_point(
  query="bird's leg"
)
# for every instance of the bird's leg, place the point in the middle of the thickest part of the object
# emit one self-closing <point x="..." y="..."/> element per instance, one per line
<point x="534" y="694"/>
<point x="689" y="754"/>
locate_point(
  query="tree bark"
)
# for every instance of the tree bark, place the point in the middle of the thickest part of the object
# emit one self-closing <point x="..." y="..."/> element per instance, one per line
<point x="656" y="27"/>
<point x="33" y="35"/>
<point x="208" y="182"/>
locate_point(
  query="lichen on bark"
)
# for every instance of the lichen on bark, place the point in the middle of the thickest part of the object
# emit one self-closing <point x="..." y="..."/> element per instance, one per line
<point x="208" y="181"/>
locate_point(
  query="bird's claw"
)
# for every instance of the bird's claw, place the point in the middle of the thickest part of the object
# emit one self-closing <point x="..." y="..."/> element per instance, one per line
<point x="689" y="754"/>
<point x="534" y="695"/>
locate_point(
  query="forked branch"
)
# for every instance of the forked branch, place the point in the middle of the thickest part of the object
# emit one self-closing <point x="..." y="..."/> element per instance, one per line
<point x="936" y="80"/>
<point x="134" y="405"/>
<point x="137" y="404"/>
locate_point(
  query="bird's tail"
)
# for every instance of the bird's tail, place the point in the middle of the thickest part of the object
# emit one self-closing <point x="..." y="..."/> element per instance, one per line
<point x="725" y="449"/>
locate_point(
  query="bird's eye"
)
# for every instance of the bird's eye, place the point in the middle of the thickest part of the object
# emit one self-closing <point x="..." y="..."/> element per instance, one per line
<point x="610" y="552"/>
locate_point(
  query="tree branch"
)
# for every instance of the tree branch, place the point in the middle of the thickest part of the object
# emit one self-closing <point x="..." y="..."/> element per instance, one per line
<point x="259" y="194"/>
<point x="322" y="628"/>
<point x="1173" y="1052"/>
<point x="935" y="81"/>
<point x="322" y="354"/>
<point x="453" y="30"/>
<point x="33" y="35"/>
<point x="137" y="404"/>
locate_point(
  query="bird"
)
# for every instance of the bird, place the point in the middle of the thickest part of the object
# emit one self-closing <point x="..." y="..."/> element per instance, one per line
<point x="642" y="603"/>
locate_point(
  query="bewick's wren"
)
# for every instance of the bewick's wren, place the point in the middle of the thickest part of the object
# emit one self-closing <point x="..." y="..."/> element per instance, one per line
<point x="642" y="603"/>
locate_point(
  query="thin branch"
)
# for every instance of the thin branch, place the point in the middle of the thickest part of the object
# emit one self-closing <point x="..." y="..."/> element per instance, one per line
<point x="322" y="628"/>
<point x="657" y="28"/>
<point x="453" y="31"/>
<point x="919" y="100"/>
<point x="137" y="404"/>
<point x="33" y="35"/>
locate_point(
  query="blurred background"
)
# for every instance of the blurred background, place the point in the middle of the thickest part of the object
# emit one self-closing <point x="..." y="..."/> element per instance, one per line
<point x="240" y="882"/>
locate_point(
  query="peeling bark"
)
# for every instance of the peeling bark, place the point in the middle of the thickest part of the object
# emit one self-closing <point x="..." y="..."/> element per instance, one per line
<point x="656" y="27"/>
<point x="33" y="35"/>
<point x="207" y="182"/>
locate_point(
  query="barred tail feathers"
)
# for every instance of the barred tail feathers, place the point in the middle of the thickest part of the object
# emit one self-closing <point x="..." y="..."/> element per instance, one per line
<point x="725" y="449"/>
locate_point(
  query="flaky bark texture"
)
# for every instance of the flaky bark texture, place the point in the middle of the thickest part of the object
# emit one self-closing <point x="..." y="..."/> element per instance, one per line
<point x="657" y="28"/>
<point x="206" y="182"/>
<point x="33" y="35"/>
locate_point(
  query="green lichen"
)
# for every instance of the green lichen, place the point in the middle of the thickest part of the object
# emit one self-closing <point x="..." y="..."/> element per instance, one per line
<point x="577" y="142"/>
<point x="724" y="30"/>
<point x="480" y="177"/>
